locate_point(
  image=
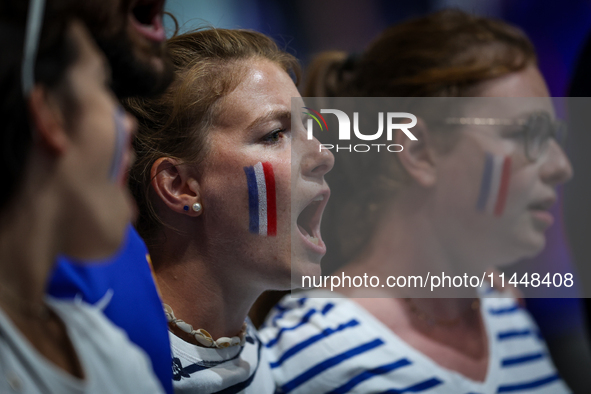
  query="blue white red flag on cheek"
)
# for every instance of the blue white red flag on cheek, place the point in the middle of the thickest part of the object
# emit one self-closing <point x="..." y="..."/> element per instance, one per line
<point x="262" y="205"/>
<point x="116" y="173"/>
<point x="495" y="184"/>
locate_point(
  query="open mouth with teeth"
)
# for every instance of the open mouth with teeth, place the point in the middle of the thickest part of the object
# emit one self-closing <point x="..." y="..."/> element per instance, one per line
<point x="309" y="220"/>
<point x="146" y="17"/>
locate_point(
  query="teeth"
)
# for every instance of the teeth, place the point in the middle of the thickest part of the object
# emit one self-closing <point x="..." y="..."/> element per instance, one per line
<point x="319" y="198"/>
<point x="314" y="240"/>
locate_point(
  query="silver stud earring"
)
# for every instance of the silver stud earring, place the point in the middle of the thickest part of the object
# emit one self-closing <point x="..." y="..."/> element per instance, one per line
<point x="197" y="207"/>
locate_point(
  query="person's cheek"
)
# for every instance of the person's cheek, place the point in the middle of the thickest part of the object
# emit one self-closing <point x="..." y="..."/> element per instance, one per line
<point x="262" y="199"/>
<point x="494" y="184"/>
<point x="118" y="169"/>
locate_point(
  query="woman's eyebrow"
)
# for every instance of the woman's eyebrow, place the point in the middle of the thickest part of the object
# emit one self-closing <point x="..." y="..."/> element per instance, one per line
<point x="278" y="114"/>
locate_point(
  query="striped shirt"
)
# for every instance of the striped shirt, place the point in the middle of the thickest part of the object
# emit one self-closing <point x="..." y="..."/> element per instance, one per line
<point x="333" y="345"/>
<point x="237" y="369"/>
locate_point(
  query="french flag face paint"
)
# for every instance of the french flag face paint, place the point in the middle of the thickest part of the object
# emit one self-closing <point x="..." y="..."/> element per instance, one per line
<point x="262" y="205"/>
<point x="118" y="170"/>
<point x="495" y="184"/>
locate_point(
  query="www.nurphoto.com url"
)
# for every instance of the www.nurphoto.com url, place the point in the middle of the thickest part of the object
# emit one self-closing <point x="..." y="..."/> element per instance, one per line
<point x="433" y="282"/>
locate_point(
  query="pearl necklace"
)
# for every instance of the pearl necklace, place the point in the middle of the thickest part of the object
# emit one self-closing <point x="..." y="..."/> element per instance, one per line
<point x="202" y="336"/>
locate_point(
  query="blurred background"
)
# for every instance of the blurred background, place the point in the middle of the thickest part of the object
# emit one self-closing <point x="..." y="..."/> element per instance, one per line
<point x="305" y="27"/>
<point x="558" y="29"/>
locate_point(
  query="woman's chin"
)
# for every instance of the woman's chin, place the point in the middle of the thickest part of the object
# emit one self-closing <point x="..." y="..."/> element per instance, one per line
<point x="535" y="248"/>
<point x="301" y="269"/>
<point x="527" y="248"/>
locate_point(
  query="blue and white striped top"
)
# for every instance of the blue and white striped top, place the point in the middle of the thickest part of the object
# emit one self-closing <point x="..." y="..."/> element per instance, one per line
<point x="231" y="370"/>
<point x="333" y="345"/>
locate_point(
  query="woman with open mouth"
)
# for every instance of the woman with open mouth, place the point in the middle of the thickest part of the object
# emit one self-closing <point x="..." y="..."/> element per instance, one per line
<point x="230" y="195"/>
<point x="473" y="192"/>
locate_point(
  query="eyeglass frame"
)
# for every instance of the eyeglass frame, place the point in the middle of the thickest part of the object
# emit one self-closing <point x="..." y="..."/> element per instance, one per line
<point x="31" y="44"/>
<point x="559" y="130"/>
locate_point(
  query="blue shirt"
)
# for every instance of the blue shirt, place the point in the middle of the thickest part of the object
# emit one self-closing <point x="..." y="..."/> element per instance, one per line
<point x="125" y="284"/>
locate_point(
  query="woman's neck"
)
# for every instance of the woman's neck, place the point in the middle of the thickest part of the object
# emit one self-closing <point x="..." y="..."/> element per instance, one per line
<point x="31" y="235"/>
<point x="407" y="243"/>
<point x="201" y="293"/>
<point x="27" y="249"/>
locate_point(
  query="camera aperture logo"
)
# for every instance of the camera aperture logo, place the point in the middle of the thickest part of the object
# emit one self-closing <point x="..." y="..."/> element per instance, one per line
<point x="345" y="130"/>
<point x="315" y="118"/>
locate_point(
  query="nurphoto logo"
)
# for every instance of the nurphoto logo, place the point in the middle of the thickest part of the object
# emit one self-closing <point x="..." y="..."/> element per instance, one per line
<point x="392" y="123"/>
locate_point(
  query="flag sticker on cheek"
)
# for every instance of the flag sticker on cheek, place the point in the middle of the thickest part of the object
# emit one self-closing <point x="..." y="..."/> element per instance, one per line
<point x="262" y="208"/>
<point x="122" y="137"/>
<point x="495" y="184"/>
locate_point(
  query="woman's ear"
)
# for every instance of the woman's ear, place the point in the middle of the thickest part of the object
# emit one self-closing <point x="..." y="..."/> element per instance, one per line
<point x="48" y="120"/>
<point x="417" y="157"/>
<point x="176" y="186"/>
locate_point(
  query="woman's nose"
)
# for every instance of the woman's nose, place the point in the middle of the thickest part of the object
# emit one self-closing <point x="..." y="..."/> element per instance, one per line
<point x="317" y="160"/>
<point x="556" y="168"/>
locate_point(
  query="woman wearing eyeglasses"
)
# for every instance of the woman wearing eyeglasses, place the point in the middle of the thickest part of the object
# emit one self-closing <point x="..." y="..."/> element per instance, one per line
<point x="431" y="210"/>
<point x="66" y="150"/>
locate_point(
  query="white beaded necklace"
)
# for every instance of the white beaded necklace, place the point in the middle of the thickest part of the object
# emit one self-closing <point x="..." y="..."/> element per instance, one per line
<point x="202" y="336"/>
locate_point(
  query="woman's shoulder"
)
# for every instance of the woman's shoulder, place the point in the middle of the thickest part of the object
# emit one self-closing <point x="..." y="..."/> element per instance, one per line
<point x="503" y="309"/>
<point x="104" y="349"/>
<point x="317" y="344"/>
<point x="241" y="369"/>
<point x="308" y="310"/>
<point x="88" y="322"/>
